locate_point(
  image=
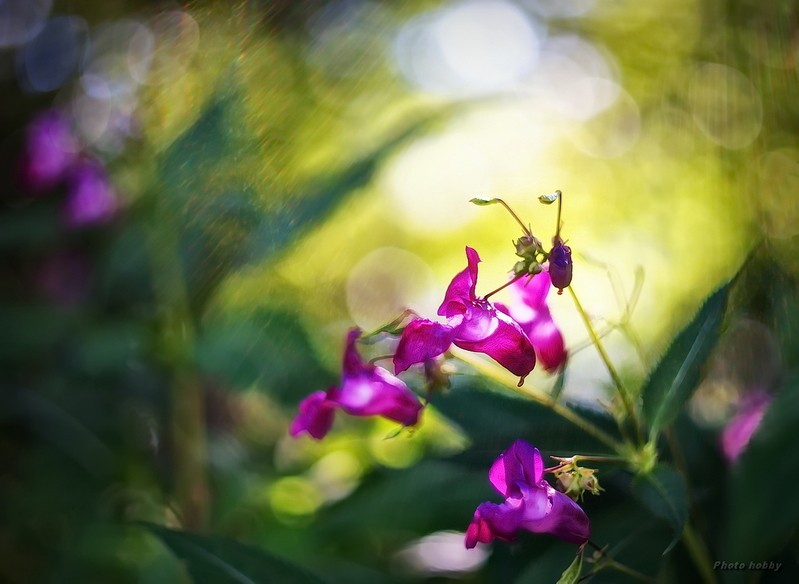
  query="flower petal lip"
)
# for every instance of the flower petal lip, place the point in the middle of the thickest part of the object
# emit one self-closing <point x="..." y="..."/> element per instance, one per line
<point x="315" y="416"/>
<point x="421" y="340"/>
<point x="565" y="520"/>
<point x="507" y="345"/>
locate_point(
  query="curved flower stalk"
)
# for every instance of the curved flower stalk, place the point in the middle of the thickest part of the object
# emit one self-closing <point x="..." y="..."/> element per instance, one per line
<point x="528" y="307"/>
<point x="365" y="390"/>
<point x="531" y="503"/>
<point x="473" y="324"/>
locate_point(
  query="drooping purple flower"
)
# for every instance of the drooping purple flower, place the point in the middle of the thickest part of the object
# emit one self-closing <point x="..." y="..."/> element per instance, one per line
<point x="90" y="197"/>
<point x="365" y="390"/>
<point x="531" y="504"/>
<point x="739" y="431"/>
<point x="560" y="264"/>
<point x="473" y="324"/>
<point x="50" y="149"/>
<point x="528" y="307"/>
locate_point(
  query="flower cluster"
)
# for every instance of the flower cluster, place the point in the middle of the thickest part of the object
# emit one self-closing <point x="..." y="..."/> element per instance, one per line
<point x="531" y="503"/>
<point x="52" y="156"/>
<point x="516" y="335"/>
<point x="472" y="323"/>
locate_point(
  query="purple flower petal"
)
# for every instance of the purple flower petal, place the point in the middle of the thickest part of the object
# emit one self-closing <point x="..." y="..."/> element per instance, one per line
<point x="50" y="149"/>
<point x="377" y="393"/>
<point x="507" y="345"/>
<point x="462" y="288"/>
<point x="315" y="416"/>
<point x="493" y="521"/>
<point x="739" y="430"/>
<point x="521" y="462"/>
<point x="90" y="197"/>
<point x="565" y="519"/>
<point x="421" y="341"/>
<point x="353" y="364"/>
<point x="529" y="309"/>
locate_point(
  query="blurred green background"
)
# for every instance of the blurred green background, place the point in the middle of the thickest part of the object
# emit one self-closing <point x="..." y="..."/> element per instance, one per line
<point x="286" y="170"/>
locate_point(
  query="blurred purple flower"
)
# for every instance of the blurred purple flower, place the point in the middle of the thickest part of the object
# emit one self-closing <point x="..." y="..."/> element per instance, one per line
<point x="365" y="390"/>
<point x="740" y="429"/>
<point x="90" y="197"/>
<point x="560" y="265"/>
<point x="50" y="149"/>
<point x="473" y="324"/>
<point x="531" y="504"/>
<point x="64" y="278"/>
<point x="529" y="308"/>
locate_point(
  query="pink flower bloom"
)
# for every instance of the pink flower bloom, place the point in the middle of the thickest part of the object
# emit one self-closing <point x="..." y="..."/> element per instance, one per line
<point x="473" y="324"/>
<point x="736" y="435"/>
<point x="365" y="390"/>
<point x="90" y="197"/>
<point x="529" y="308"/>
<point x="531" y="504"/>
<point x="50" y="149"/>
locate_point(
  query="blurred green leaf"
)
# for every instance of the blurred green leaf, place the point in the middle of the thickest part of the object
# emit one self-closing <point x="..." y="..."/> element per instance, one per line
<point x="267" y="348"/>
<point x="430" y="496"/>
<point x="662" y="491"/>
<point x="672" y="381"/>
<point x="762" y="509"/>
<point x="225" y="223"/>
<point x="571" y="575"/>
<point x="218" y="560"/>
<point x="493" y="420"/>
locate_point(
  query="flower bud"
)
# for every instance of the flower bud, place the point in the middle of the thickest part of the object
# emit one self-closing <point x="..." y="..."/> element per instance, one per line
<point x="560" y="265"/>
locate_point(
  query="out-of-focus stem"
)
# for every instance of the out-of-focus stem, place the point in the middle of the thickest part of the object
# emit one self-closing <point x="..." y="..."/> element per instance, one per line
<point x="629" y="409"/>
<point x="505" y="378"/>
<point x="187" y="407"/>
<point x="699" y="553"/>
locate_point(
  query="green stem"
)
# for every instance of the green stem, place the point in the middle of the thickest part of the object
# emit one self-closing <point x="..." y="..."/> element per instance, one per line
<point x="619" y="567"/>
<point x="505" y="379"/>
<point x="187" y="403"/>
<point x="614" y="375"/>
<point x="699" y="553"/>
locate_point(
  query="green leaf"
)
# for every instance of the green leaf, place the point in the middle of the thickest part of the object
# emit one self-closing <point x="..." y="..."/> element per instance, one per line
<point x="218" y="560"/>
<point x="266" y="347"/>
<point x="493" y="420"/>
<point x="763" y="511"/>
<point x="662" y="491"/>
<point x="571" y="575"/>
<point x="677" y="374"/>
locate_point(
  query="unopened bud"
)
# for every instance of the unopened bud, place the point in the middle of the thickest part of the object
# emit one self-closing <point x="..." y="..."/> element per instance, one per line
<point x="560" y="265"/>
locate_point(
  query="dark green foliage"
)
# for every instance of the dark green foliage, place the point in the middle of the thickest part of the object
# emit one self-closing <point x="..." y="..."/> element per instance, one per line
<point x="677" y="374"/>
<point x="218" y="560"/>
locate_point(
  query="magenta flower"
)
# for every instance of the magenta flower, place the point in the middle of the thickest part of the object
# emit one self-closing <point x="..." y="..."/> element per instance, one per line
<point x="90" y="197"/>
<point x="365" y="390"/>
<point x="739" y="431"/>
<point x="50" y="149"/>
<point x="473" y="324"/>
<point x="529" y="308"/>
<point x="531" y="504"/>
